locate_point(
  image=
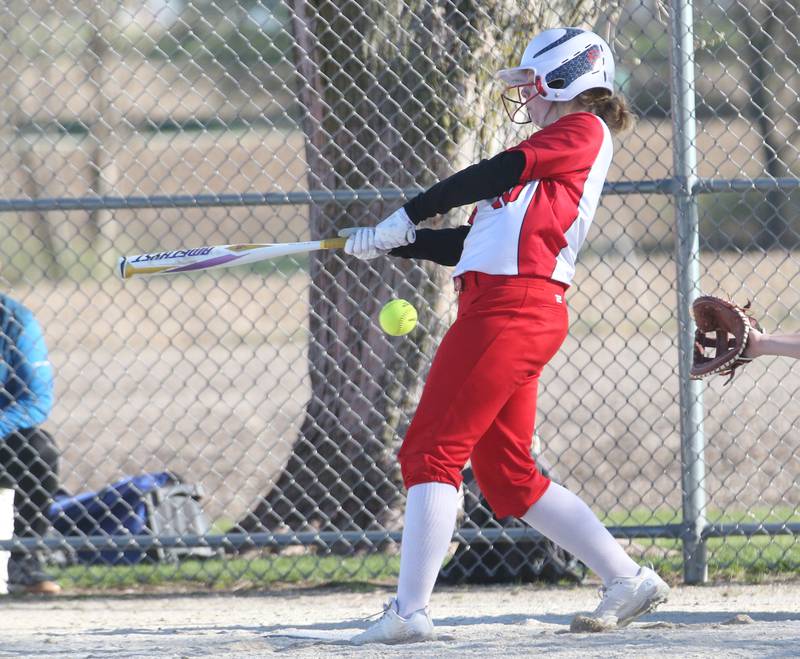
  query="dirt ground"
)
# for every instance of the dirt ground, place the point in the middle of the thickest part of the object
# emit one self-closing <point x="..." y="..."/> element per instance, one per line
<point x="719" y="620"/>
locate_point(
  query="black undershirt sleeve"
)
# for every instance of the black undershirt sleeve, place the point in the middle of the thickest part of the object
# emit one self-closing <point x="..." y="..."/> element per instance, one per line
<point x="442" y="246"/>
<point x="484" y="180"/>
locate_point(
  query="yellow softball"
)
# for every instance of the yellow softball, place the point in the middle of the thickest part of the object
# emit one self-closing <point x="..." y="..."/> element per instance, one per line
<point x="398" y="317"/>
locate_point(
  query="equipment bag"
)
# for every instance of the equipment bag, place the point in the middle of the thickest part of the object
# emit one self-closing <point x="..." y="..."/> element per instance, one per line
<point x="152" y="504"/>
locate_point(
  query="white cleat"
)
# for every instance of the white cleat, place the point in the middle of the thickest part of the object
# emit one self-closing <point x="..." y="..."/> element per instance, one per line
<point x="623" y="601"/>
<point x="392" y="629"/>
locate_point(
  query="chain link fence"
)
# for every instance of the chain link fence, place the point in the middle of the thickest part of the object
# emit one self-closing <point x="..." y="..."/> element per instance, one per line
<point x="264" y="402"/>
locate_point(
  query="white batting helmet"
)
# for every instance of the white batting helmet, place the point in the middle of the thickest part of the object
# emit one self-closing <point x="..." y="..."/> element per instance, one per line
<point x="563" y="62"/>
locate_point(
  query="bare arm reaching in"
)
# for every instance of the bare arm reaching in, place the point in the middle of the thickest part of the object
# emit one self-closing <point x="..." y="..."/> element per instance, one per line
<point x="762" y="344"/>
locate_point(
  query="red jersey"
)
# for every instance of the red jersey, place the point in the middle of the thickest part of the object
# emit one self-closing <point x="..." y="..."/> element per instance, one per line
<point x="538" y="226"/>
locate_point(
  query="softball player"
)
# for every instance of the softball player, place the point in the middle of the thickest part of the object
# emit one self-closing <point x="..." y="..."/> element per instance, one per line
<point x="513" y="265"/>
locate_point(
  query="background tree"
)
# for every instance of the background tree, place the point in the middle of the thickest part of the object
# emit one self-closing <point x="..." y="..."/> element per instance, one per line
<point x="772" y="56"/>
<point x="19" y="47"/>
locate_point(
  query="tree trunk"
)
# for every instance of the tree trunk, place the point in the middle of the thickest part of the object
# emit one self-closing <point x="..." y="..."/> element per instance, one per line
<point x="12" y="61"/>
<point x="104" y="129"/>
<point x="772" y="54"/>
<point x="394" y="95"/>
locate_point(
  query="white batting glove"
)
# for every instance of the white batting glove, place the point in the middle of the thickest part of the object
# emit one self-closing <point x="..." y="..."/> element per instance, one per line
<point x="395" y="231"/>
<point x="361" y="243"/>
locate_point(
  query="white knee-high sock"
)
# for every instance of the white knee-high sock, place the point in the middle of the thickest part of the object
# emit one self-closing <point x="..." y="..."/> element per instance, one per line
<point x="429" y="523"/>
<point x="570" y="523"/>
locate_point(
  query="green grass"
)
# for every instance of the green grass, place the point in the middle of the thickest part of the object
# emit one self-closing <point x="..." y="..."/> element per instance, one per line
<point x="739" y="559"/>
<point x="235" y="573"/>
<point x="746" y="560"/>
<point x="733" y="558"/>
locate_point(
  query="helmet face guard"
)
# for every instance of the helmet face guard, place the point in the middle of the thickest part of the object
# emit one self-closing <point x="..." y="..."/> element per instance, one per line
<point x="516" y="98"/>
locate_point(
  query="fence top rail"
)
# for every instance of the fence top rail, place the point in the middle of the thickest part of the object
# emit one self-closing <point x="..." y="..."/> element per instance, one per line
<point x="91" y="203"/>
<point x="144" y="542"/>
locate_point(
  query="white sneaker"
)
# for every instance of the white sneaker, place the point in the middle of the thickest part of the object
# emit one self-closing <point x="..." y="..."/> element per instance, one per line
<point x="623" y="601"/>
<point x="392" y="629"/>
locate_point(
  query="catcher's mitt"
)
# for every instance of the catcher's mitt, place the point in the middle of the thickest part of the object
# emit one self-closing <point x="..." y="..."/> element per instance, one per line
<point x="725" y="328"/>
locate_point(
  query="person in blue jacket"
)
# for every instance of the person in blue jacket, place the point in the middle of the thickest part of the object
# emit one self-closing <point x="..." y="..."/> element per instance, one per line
<point x="28" y="455"/>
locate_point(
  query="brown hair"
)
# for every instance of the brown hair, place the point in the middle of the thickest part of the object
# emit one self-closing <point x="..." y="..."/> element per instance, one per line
<point x="611" y="108"/>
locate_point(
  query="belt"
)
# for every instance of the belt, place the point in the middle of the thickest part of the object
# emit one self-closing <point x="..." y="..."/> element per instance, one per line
<point x="472" y="279"/>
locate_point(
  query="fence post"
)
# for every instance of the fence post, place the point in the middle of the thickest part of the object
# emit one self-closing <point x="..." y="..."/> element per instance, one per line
<point x="687" y="255"/>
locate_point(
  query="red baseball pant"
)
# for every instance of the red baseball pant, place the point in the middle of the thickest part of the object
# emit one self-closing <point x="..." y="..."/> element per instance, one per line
<point x="479" y="400"/>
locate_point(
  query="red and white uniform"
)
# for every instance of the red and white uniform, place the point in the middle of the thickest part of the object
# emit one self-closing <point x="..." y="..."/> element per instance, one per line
<point x="538" y="227"/>
<point x="479" y="400"/>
